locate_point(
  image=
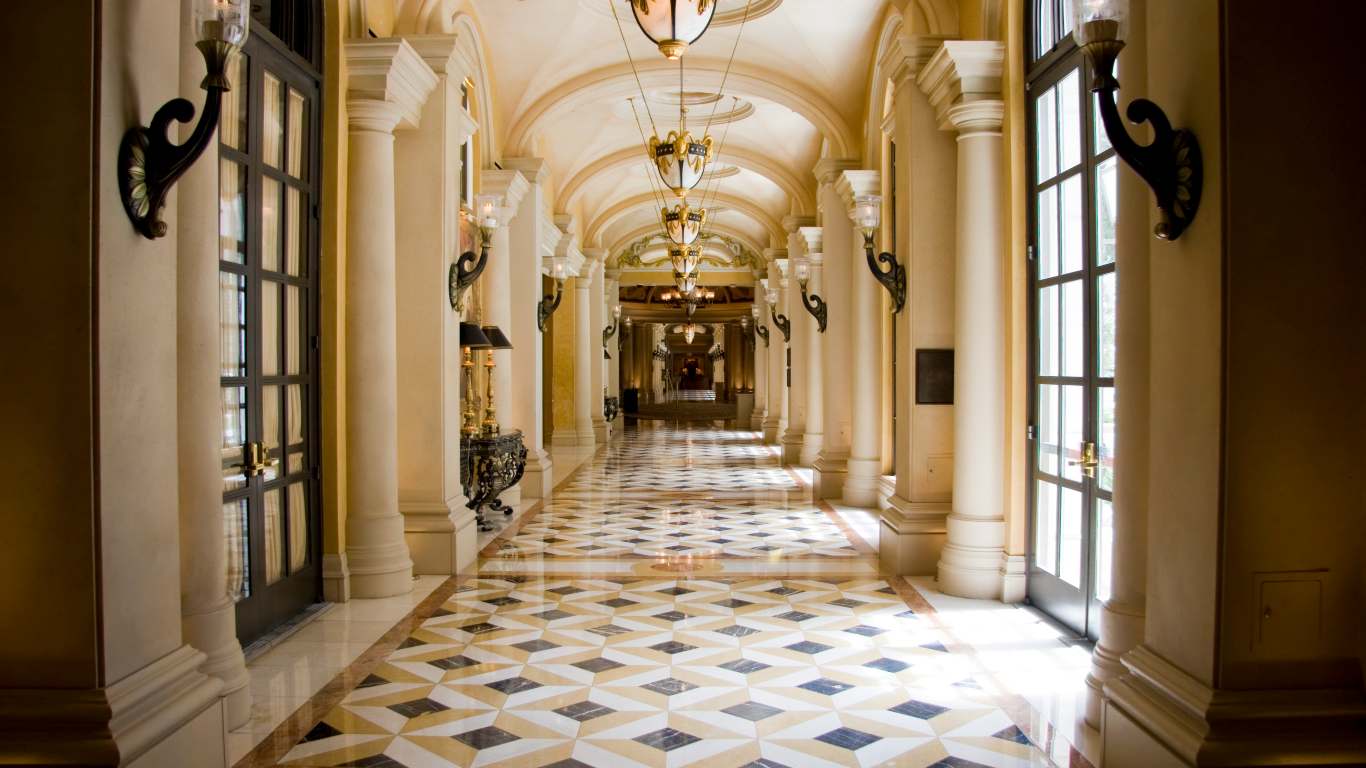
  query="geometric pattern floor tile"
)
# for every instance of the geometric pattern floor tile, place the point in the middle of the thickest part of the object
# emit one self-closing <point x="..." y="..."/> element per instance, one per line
<point x="534" y="669"/>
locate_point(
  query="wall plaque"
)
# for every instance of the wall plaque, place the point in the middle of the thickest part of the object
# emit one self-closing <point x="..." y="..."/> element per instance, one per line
<point x="934" y="377"/>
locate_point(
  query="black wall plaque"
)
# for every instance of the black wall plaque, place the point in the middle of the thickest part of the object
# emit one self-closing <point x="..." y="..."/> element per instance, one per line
<point x="934" y="377"/>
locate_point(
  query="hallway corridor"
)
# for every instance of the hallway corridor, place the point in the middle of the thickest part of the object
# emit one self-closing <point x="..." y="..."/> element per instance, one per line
<point x="679" y="601"/>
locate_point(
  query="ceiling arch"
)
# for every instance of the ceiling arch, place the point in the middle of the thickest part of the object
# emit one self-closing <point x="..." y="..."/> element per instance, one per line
<point x="750" y="82"/>
<point x="625" y="206"/>
<point x="741" y="157"/>
<point x="615" y="247"/>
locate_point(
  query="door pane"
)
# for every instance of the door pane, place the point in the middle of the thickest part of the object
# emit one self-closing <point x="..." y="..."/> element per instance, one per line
<point x="270" y="224"/>
<point x="232" y="212"/>
<point x="1105" y="438"/>
<point x="298" y="118"/>
<point x="1072" y="426"/>
<point x="294" y="413"/>
<point x="1106" y="205"/>
<point x="1105" y="325"/>
<point x="298" y="527"/>
<point x="272" y="126"/>
<point x="1046" y="526"/>
<point x="232" y="322"/>
<point x="1069" y="545"/>
<point x="232" y="120"/>
<point x="270" y="427"/>
<point x="1105" y="544"/>
<point x="1071" y="241"/>
<point x="234" y="402"/>
<point x="1072" y="326"/>
<point x="1069" y="120"/>
<point x="1048" y="331"/>
<point x="270" y="328"/>
<point x="1046" y="137"/>
<point x="1048" y="232"/>
<point x="235" y="539"/>
<point x="1048" y="429"/>
<point x="294" y="229"/>
<point x="274" y="537"/>
<point x="294" y="330"/>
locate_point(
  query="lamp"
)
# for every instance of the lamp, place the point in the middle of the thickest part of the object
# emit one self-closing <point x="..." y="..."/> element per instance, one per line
<point x="813" y="303"/>
<point x="867" y="216"/>
<point x="497" y="340"/>
<point x="471" y="338"/>
<point x="673" y="25"/>
<point x="780" y="320"/>
<point x="1171" y="165"/>
<point x="148" y="163"/>
<point x="759" y="328"/>
<point x="683" y="224"/>
<point x="680" y="159"/>
<point x="466" y="269"/>
<point x="549" y="303"/>
<point x="685" y="259"/>
<point x="610" y="331"/>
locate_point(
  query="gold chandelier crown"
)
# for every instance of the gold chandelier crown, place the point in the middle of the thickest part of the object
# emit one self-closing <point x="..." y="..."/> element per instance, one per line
<point x="683" y="223"/>
<point x="680" y="159"/>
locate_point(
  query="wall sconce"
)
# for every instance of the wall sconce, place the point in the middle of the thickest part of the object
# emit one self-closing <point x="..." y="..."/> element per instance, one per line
<point x="149" y="164"/>
<point x="759" y="328"/>
<point x="610" y="331"/>
<point x="1171" y="164"/>
<point x="466" y="269"/>
<point x="550" y="303"/>
<point x="867" y="216"/>
<point x="783" y="324"/>
<point x="814" y="303"/>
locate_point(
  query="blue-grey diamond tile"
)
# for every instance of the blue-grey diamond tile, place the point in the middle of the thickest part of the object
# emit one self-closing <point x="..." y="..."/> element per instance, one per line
<point x="1013" y="733"/>
<point x="666" y="739"/>
<point x="826" y="686"/>
<point x="807" y="646"/>
<point x="887" y="665"/>
<point x="488" y="736"/>
<point x="921" y="710"/>
<point x="849" y="738"/>
<point x="744" y="666"/>
<point x="865" y="630"/>
<point x="513" y="685"/>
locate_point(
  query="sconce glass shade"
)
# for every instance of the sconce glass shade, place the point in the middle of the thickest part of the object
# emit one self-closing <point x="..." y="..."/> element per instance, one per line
<point x="673" y="25"/>
<point x="754" y="311"/>
<point x="488" y="210"/>
<point x="222" y="21"/>
<point x="683" y="224"/>
<point x="497" y="339"/>
<point x="867" y="213"/>
<point x="557" y="268"/>
<point x="616" y="311"/>
<point x="473" y="337"/>
<point x="680" y="159"/>
<point x="1095" y="20"/>
<point x="803" y="271"/>
<point x="771" y="296"/>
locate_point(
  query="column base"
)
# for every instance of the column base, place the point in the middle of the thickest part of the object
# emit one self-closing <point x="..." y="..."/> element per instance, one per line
<point x="538" y="480"/>
<point x="442" y="538"/>
<point x="971" y="563"/>
<point x="792" y="448"/>
<point x="602" y="431"/>
<point x="812" y="442"/>
<point x="1121" y="630"/>
<point x="771" y="431"/>
<point x="336" y="578"/>
<point x="863" y="484"/>
<point x="912" y="536"/>
<point x="167" y="713"/>
<point x="382" y="570"/>
<point x="214" y="633"/>
<point x="829" y="471"/>
<point x="756" y="420"/>
<point x="1014" y="578"/>
<point x="1157" y="716"/>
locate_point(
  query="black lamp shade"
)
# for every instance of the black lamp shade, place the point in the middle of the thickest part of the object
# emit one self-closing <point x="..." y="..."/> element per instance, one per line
<point x="497" y="339"/>
<point x="471" y="336"/>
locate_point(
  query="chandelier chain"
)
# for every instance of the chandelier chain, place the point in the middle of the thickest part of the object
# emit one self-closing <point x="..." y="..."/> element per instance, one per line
<point x="729" y="62"/>
<point x="712" y="189"/>
<point x="612" y="5"/>
<point x="649" y="175"/>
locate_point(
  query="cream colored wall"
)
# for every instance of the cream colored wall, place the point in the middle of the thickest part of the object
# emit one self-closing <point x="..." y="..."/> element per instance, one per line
<point x="562" y="362"/>
<point x="332" y="279"/>
<point x="1016" y="283"/>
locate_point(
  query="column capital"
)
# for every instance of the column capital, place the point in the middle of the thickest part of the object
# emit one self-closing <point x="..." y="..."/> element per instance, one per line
<point x="534" y="169"/>
<point x="907" y="56"/>
<point x="567" y="248"/>
<point x="793" y="223"/>
<point x="961" y="73"/>
<point x="388" y="70"/>
<point x="442" y="53"/>
<point x="814" y="237"/>
<point x="612" y="274"/>
<point x="829" y="168"/>
<point x="512" y="186"/>
<point x="774" y="254"/>
<point x="854" y="184"/>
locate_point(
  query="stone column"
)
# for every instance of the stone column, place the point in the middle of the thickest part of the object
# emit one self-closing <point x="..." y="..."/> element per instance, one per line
<point x="533" y="241"/>
<point x="775" y="422"/>
<point x="587" y="352"/>
<point x="963" y="80"/>
<point x="813" y="435"/>
<point x="612" y="365"/>
<point x="756" y="422"/>
<point x="1122" y="615"/>
<point x="830" y="465"/>
<point x="790" y="303"/>
<point x="861" y="487"/>
<point x="597" y="322"/>
<point x="388" y="83"/>
<point x="718" y="366"/>
<point x="207" y="614"/>
<point x="656" y="365"/>
<point x="913" y="523"/>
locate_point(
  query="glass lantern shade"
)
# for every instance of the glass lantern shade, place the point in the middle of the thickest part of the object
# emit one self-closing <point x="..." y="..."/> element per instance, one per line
<point x="683" y="224"/>
<point x="867" y="213"/>
<point x="222" y="21"/>
<point x="1094" y="20"/>
<point x="681" y="160"/>
<point x="754" y="311"/>
<point x="557" y="269"/>
<point x="685" y="259"/>
<point x="685" y="282"/>
<point x="771" y="296"/>
<point x="616" y="312"/>
<point x="689" y="332"/>
<point x="803" y="272"/>
<point x="487" y="210"/>
<point x="673" y="25"/>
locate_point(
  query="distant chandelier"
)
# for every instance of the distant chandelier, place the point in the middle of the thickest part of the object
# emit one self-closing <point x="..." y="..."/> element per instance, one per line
<point x="685" y="281"/>
<point x="685" y="260"/>
<point x="673" y="25"/>
<point x="682" y="223"/>
<point x="688" y="329"/>
<point x="681" y="159"/>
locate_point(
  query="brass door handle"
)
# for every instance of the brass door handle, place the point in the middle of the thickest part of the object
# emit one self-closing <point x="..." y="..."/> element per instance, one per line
<point x="257" y="460"/>
<point x="1089" y="461"/>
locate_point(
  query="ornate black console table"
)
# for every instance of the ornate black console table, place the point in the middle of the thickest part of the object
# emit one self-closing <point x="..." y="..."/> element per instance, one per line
<point x="611" y="406"/>
<point x="489" y="466"/>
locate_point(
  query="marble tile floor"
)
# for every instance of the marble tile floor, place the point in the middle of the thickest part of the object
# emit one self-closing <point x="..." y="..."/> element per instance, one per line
<point x="572" y="649"/>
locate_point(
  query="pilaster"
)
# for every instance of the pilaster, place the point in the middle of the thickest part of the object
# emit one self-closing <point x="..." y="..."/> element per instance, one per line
<point x="867" y="302"/>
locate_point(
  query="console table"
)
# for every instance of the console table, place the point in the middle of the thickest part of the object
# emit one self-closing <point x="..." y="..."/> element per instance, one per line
<point x="611" y="406"/>
<point x="488" y="466"/>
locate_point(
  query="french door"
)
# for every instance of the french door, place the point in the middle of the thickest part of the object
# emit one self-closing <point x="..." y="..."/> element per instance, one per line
<point x="268" y="304"/>
<point x="1071" y="260"/>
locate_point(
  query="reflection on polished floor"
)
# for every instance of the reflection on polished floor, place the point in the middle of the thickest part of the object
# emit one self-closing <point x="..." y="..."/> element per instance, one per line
<point x="681" y="601"/>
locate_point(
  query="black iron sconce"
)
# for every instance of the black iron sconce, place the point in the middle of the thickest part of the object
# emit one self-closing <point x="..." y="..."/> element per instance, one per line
<point x="813" y="302"/>
<point x="549" y="303"/>
<point x="867" y="216"/>
<point x="760" y="329"/>
<point x="148" y="163"/>
<point x="780" y="321"/>
<point x="610" y="331"/>
<point x="468" y="267"/>
<point x="1171" y="165"/>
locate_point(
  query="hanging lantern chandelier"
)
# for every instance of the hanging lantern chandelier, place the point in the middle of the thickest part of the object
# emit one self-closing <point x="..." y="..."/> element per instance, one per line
<point x="682" y="223"/>
<point x="685" y="259"/>
<point x="680" y="159"/>
<point x="673" y="25"/>
<point x="688" y="329"/>
<point x="685" y="282"/>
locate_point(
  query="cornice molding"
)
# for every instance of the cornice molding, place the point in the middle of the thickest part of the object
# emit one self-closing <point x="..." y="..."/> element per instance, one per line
<point x="566" y="248"/>
<point x="828" y="169"/>
<point x="389" y="70"/>
<point x="534" y="169"/>
<point x="793" y="223"/>
<point x="906" y="57"/>
<point x="962" y="73"/>
<point x="511" y="185"/>
<point x="853" y="184"/>
<point x="814" y="240"/>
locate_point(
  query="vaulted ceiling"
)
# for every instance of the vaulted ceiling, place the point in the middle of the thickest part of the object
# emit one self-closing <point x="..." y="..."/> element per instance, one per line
<point x="562" y="81"/>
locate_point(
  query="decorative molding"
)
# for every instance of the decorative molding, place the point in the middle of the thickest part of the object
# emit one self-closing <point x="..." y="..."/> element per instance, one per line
<point x="567" y="247"/>
<point x="511" y="185"/>
<point x="814" y="240"/>
<point x="535" y="169"/>
<point x="961" y="73"/>
<point x="906" y="57"/>
<point x="828" y="169"/>
<point x="793" y="223"/>
<point x="389" y="70"/>
<point x="852" y="184"/>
